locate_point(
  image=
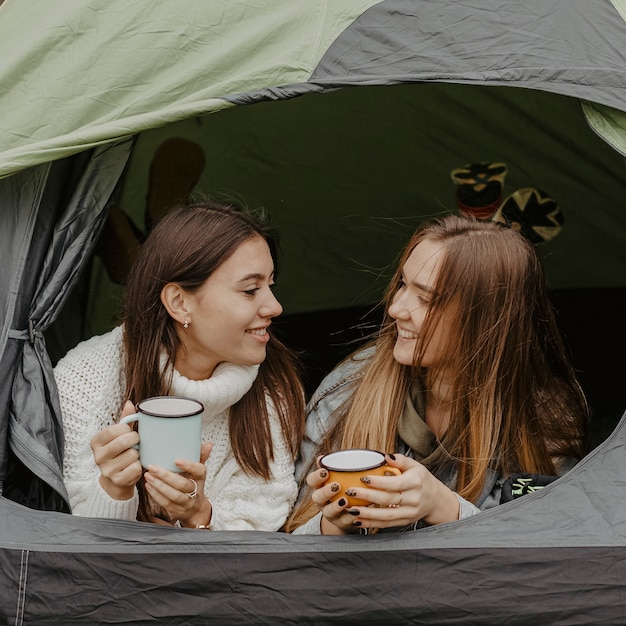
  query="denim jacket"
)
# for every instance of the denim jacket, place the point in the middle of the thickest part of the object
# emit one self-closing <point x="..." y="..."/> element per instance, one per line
<point x="322" y="410"/>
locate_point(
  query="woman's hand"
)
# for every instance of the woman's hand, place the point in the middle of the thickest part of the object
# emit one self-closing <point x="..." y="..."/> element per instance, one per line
<point x="410" y="497"/>
<point x="335" y="519"/>
<point x="172" y="490"/>
<point x="118" y="461"/>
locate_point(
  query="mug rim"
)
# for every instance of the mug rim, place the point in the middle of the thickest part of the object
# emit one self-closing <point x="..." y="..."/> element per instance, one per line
<point x="353" y="469"/>
<point x="154" y="413"/>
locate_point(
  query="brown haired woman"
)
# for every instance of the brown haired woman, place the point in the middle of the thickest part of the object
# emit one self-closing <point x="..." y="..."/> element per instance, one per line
<point x="467" y="382"/>
<point x="197" y="312"/>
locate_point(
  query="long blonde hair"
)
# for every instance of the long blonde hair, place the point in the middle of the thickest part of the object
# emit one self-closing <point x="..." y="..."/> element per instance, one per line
<point x="517" y="404"/>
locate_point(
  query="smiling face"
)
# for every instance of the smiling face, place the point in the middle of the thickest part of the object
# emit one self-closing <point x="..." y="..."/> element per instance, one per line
<point x="231" y="313"/>
<point x="411" y="304"/>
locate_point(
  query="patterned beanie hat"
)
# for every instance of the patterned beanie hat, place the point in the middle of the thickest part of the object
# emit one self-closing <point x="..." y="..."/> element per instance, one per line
<point x="533" y="213"/>
<point x="479" y="188"/>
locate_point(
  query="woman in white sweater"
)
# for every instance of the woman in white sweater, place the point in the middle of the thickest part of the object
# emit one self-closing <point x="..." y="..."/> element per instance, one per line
<point x="197" y="311"/>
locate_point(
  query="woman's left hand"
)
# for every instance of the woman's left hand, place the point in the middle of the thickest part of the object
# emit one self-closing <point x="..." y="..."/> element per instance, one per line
<point x="172" y="491"/>
<point x="412" y="496"/>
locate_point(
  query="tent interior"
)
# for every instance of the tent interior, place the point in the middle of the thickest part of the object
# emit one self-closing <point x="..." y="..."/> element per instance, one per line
<point x="347" y="175"/>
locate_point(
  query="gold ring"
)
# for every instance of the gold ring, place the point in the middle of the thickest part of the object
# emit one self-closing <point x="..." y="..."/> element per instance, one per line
<point x="194" y="493"/>
<point x="395" y="506"/>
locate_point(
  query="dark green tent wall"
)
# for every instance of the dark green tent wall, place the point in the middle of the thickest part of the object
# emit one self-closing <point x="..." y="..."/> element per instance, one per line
<point x="345" y="183"/>
<point x="343" y="120"/>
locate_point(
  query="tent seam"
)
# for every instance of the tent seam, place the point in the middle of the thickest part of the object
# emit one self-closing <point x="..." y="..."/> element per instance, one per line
<point x="21" y="591"/>
<point x="620" y="7"/>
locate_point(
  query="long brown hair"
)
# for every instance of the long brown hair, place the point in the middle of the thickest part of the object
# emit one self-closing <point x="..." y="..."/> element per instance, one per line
<point x="517" y="405"/>
<point x="185" y="247"/>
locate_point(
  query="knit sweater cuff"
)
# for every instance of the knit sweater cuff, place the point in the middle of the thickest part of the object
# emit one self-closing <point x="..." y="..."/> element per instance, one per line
<point x="101" y="504"/>
<point x="312" y="527"/>
<point x="216" y="521"/>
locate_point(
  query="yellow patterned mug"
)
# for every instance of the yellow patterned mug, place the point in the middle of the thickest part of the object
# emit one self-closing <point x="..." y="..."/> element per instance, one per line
<point x="347" y="467"/>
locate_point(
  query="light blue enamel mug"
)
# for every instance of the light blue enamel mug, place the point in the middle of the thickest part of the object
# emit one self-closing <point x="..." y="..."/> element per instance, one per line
<point x="169" y="429"/>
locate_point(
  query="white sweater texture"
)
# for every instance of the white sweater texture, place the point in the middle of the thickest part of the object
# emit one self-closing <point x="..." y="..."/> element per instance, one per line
<point x="91" y="384"/>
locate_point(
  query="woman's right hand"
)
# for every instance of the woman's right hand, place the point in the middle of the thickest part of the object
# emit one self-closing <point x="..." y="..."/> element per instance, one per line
<point x="118" y="461"/>
<point x="335" y="518"/>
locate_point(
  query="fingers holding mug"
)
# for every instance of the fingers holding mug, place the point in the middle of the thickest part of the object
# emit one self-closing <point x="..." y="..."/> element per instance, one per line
<point x="180" y="495"/>
<point x="338" y="518"/>
<point x="194" y="491"/>
<point x="117" y="459"/>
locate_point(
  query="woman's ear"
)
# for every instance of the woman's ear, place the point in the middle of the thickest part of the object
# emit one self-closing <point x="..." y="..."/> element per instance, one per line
<point x="173" y="297"/>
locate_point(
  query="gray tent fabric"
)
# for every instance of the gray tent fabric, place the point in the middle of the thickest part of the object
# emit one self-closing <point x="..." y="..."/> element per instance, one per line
<point x="60" y="208"/>
<point x="557" y="556"/>
<point x="452" y="37"/>
<point x="398" y="41"/>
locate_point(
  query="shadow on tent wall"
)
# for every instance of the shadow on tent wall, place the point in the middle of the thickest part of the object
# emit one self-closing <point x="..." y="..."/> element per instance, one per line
<point x="591" y="320"/>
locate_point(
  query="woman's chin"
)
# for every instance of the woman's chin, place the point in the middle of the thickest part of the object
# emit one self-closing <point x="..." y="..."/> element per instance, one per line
<point x="404" y="354"/>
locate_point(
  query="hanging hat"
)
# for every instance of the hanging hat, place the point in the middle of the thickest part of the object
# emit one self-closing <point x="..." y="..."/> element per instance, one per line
<point x="479" y="188"/>
<point x="175" y="170"/>
<point x="533" y="213"/>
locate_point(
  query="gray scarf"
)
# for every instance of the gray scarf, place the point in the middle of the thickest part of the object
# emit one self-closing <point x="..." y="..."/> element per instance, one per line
<point x="412" y="429"/>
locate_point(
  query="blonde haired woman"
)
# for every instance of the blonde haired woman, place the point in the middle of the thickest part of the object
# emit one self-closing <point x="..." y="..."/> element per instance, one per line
<point x="466" y="384"/>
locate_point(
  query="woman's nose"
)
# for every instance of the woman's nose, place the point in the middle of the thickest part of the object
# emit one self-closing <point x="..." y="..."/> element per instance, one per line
<point x="398" y="309"/>
<point x="271" y="307"/>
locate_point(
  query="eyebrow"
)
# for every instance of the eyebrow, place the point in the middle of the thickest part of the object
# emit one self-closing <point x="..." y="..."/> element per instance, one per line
<point x="419" y="285"/>
<point x="254" y="277"/>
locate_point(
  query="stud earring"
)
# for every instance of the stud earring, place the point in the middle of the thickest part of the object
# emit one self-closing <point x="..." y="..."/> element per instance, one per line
<point x="186" y="324"/>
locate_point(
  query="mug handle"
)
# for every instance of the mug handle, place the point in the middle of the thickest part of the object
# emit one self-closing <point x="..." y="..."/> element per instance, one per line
<point x="392" y="470"/>
<point x="135" y="417"/>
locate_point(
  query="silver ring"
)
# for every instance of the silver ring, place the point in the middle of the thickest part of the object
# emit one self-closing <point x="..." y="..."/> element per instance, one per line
<point x="194" y="493"/>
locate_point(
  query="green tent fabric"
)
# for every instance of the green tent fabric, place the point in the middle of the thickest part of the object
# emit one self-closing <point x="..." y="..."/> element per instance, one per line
<point x="90" y="73"/>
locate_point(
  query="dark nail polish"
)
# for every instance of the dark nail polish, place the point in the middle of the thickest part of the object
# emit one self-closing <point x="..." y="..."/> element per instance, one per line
<point x="342" y="502"/>
<point x="392" y="457"/>
<point x="351" y="492"/>
<point x="354" y="511"/>
<point x="356" y="523"/>
<point x="366" y="480"/>
<point x="335" y="487"/>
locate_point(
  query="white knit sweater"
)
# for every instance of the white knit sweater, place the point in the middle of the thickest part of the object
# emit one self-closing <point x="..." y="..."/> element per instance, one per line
<point x="91" y="384"/>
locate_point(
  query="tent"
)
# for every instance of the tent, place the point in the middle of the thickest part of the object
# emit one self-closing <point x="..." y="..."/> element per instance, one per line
<point x="344" y="120"/>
